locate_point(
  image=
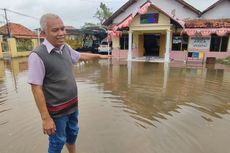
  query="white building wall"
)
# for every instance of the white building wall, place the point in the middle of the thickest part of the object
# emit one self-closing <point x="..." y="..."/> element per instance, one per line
<point x="131" y="10"/>
<point x="168" y="6"/>
<point x="220" y="11"/>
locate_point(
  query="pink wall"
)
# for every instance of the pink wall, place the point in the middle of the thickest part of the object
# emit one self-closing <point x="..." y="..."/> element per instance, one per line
<point x="174" y="55"/>
<point x="217" y="54"/>
<point x="178" y="55"/>
<point x="117" y="53"/>
<point x="181" y="55"/>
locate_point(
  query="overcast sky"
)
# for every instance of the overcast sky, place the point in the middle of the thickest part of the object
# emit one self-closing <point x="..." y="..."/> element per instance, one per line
<point x="73" y="12"/>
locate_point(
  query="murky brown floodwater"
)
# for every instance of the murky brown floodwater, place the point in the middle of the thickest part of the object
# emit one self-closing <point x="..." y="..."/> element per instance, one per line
<point x="126" y="108"/>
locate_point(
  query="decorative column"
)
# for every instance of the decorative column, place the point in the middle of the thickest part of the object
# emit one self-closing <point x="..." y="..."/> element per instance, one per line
<point x="130" y="46"/>
<point x="167" y="48"/>
<point x="12" y="47"/>
<point x="35" y="43"/>
<point x="1" y="54"/>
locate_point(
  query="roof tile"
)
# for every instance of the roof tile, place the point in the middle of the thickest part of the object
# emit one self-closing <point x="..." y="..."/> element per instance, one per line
<point x="18" y="31"/>
<point x="211" y="23"/>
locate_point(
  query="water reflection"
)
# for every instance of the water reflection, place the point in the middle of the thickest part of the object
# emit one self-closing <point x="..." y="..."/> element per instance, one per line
<point x="149" y="90"/>
<point x="127" y="107"/>
<point x="2" y="85"/>
<point x="9" y="72"/>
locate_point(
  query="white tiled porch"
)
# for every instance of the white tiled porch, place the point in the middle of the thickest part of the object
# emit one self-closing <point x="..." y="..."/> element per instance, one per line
<point x="155" y="59"/>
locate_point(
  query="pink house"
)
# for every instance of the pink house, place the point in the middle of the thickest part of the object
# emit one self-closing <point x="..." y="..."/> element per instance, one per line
<point x="170" y="29"/>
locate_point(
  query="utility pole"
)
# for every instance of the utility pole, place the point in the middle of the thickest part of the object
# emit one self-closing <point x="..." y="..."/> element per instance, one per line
<point x="7" y="23"/>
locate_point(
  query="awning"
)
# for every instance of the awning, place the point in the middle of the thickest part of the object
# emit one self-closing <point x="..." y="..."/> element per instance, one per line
<point x="206" y="32"/>
<point x="144" y="8"/>
<point x="113" y="33"/>
<point x="126" y="22"/>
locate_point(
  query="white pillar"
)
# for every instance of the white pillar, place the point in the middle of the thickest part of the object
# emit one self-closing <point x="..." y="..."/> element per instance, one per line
<point x="166" y="71"/>
<point x="167" y="48"/>
<point x="130" y="46"/>
<point x="129" y="72"/>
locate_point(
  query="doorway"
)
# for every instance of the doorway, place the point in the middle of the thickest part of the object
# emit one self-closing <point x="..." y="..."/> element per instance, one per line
<point x="151" y="44"/>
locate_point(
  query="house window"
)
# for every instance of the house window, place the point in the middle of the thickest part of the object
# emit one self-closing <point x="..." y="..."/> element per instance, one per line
<point x="219" y="44"/>
<point x="124" y="40"/>
<point x="149" y="18"/>
<point x="180" y="42"/>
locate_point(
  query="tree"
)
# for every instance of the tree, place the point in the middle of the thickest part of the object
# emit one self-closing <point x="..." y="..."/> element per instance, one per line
<point x="89" y="24"/>
<point x="103" y="13"/>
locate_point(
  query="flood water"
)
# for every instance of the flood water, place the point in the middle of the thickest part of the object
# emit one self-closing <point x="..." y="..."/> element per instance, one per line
<point x="134" y="107"/>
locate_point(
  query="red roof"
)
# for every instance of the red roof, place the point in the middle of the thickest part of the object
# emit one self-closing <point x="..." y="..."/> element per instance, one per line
<point x="17" y="31"/>
<point x="210" y="23"/>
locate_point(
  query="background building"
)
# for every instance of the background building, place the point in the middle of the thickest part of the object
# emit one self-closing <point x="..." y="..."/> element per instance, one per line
<point x="170" y="29"/>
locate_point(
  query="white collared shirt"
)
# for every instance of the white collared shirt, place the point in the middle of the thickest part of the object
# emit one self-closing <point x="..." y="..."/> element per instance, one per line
<point x="50" y="47"/>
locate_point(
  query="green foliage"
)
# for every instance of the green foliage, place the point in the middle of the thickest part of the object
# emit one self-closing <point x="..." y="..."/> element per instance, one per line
<point x="224" y="61"/>
<point x="103" y="13"/>
<point x="227" y="58"/>
<point x="88" y="24"/>
<point x="75" y="43"/>
<point x="24" y="45"/>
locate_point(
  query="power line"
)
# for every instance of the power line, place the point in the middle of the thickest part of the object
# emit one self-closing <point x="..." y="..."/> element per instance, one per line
<point x="25" y="15"/>
<point x="18" y="13"/>
<point x="15" y="12"/>
<point x="7" y="23"/>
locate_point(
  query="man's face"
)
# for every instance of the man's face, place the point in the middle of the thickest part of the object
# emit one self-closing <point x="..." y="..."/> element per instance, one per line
<point x="55" y="32"/>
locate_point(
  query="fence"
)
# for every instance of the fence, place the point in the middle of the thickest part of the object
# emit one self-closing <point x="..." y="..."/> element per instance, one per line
<point x="15" y="48"/>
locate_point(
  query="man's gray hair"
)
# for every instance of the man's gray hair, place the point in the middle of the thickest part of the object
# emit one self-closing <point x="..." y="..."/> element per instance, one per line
<point x="44" y="19"/>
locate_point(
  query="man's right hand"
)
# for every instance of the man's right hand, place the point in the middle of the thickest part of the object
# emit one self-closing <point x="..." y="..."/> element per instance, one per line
<point x="48" y="125"/>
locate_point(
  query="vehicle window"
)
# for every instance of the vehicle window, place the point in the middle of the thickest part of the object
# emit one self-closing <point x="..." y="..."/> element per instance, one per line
<point x="104" y="43"/>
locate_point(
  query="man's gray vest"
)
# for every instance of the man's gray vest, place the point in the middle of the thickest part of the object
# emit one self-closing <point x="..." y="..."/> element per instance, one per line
<point x="59" y="85"/>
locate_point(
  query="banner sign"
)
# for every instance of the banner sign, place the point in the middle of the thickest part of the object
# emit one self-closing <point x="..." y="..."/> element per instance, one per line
<point x="199" y="43"/>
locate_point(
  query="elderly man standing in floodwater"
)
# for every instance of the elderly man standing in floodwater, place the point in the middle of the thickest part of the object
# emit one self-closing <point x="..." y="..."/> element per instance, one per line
<point x="54" y="86"/>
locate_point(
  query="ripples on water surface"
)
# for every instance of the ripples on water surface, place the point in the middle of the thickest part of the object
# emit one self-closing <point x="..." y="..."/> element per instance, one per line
<point x="126" y="108"/>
